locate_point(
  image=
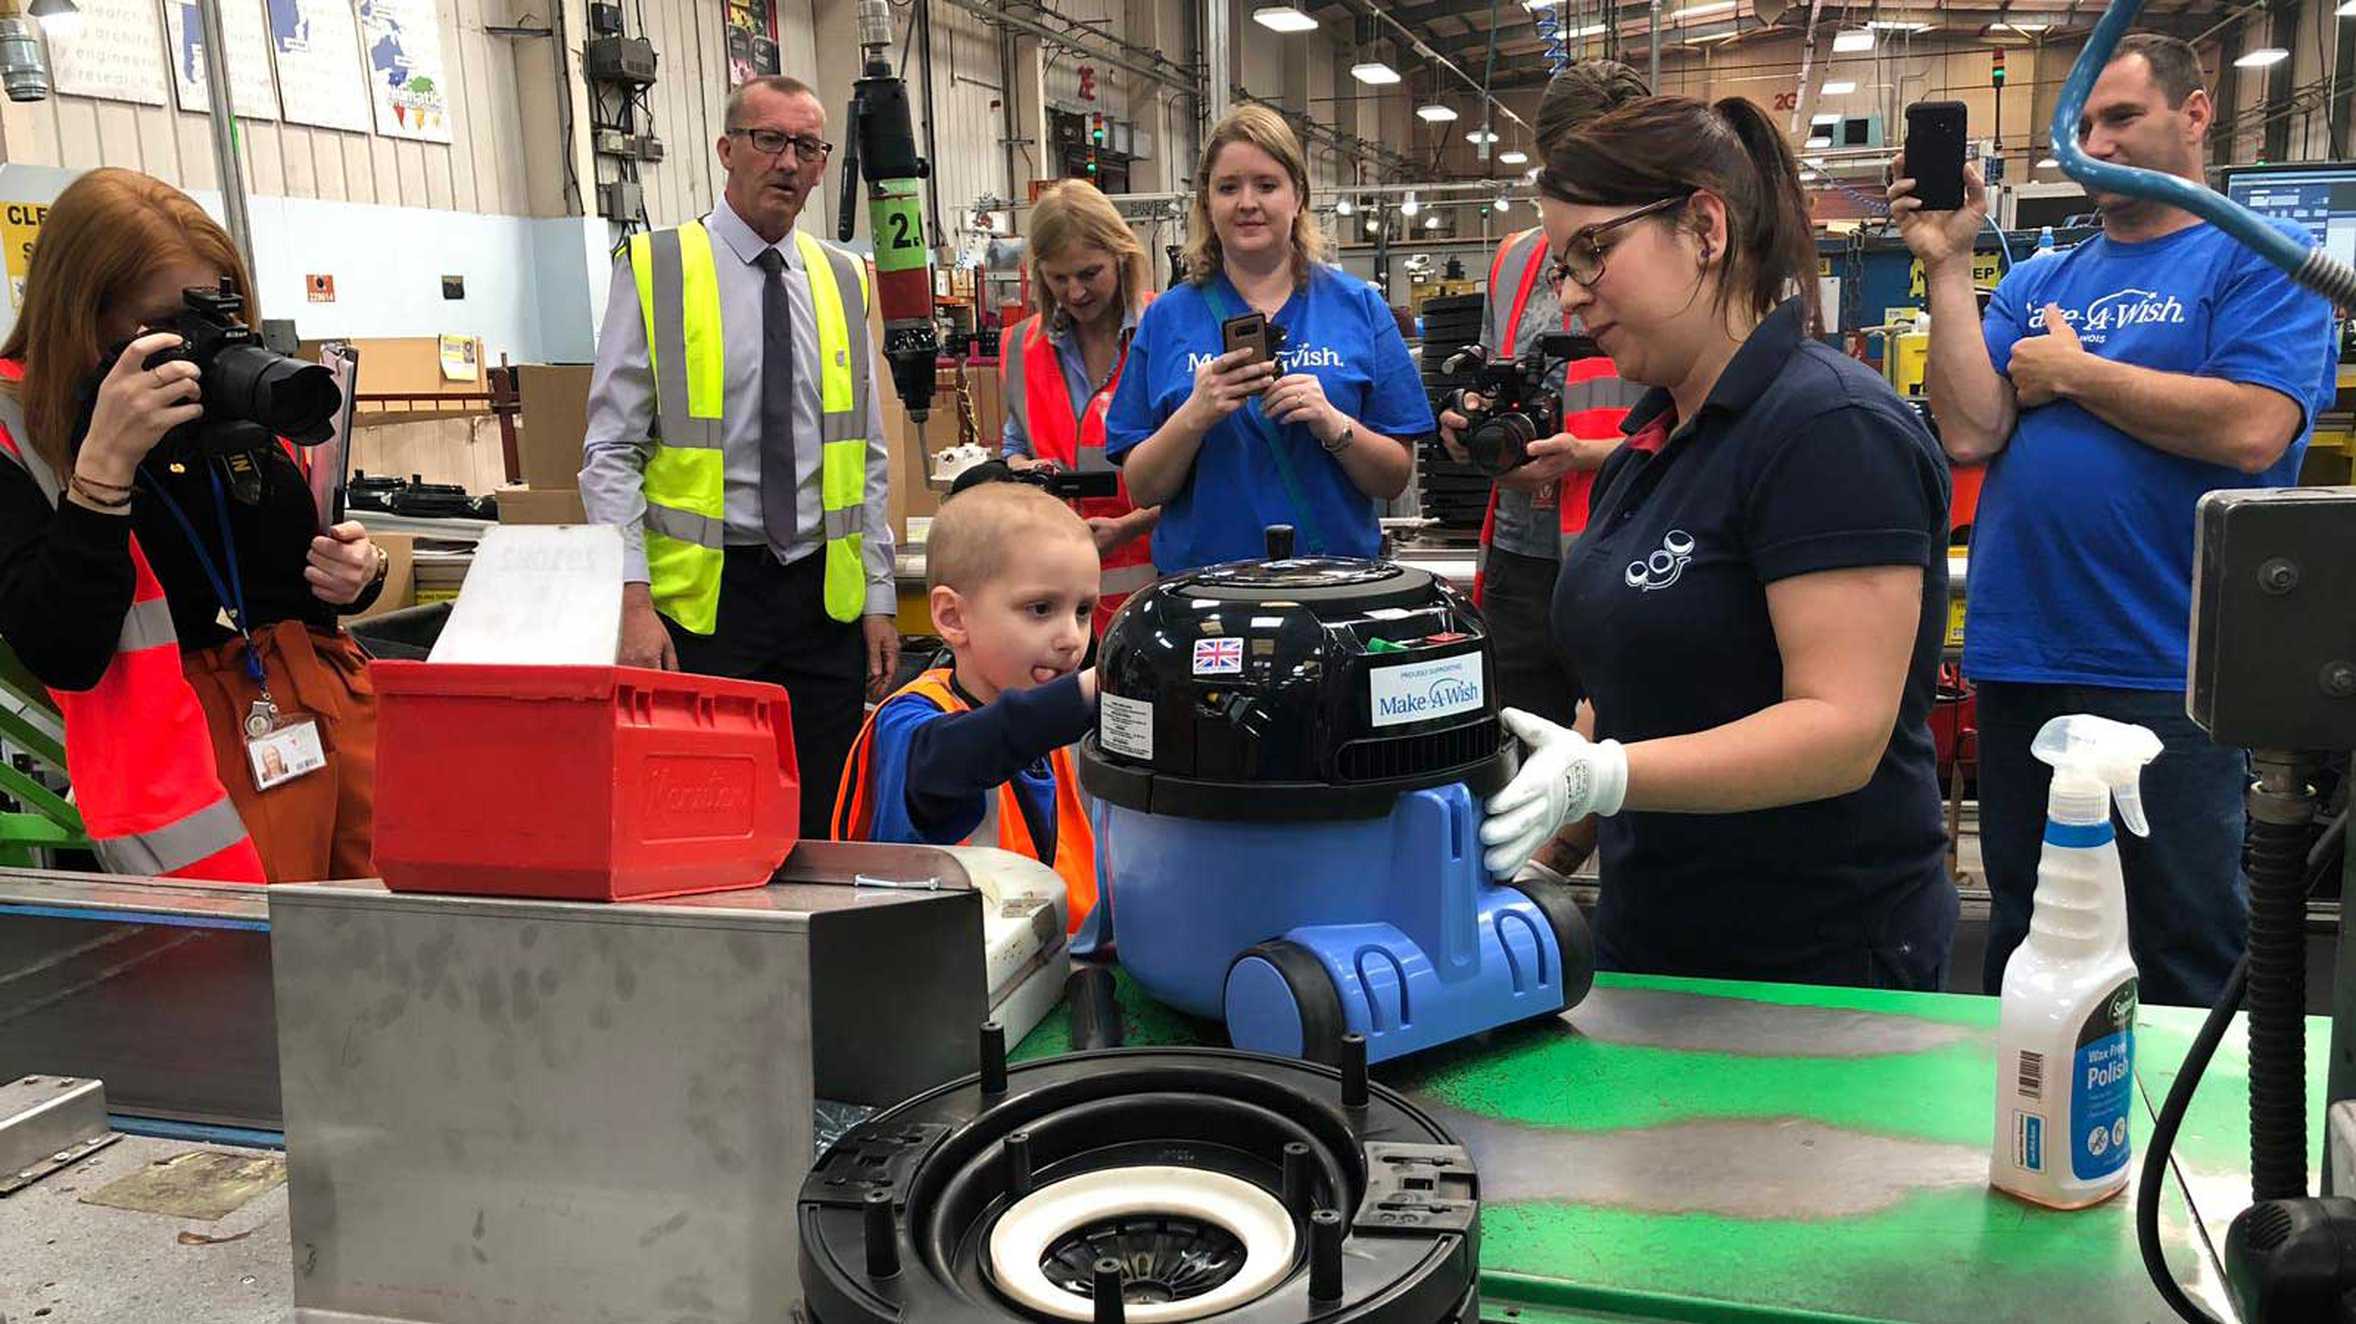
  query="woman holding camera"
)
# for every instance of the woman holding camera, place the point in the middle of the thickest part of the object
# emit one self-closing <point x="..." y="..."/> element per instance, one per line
<point x="1537" y="508"/>
<point x="244" y="752"/>
<point x="1228" y="440"/>
<point x="1758" y="601"/>
<point x="1058" y="367"/>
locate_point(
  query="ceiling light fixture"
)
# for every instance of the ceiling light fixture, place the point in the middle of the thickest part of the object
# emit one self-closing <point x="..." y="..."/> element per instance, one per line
<point x="1819" y="141"/>
<point x="1518" y="157"/>
<point x="1841" y="88"/>
<point x="1852" y="41"/>
<point x="1409" y="206"/>
<point x="1434" y="114"/>
<point x="1374" y="72"/>
<point x="1701" y="11"/>
<point x="60" y="20"/>
<point x="1283" y="18"/>
<point x="1479" y="137"/>
<point x="1342" y="207"/>
<point x="2261" y="57"/>
<point x="1897" y="25"/>
<point x="1824" y="118"/>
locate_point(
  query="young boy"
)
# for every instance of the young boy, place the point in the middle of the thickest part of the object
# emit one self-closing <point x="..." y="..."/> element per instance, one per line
<point x="974" y="755"/>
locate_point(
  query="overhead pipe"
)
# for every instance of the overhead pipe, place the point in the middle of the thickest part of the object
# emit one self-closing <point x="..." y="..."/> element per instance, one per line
<point x="1088" y="44"/>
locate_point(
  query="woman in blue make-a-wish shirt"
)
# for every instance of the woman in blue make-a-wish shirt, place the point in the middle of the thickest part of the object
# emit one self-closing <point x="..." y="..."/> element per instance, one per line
<point x="1228" y="447"/>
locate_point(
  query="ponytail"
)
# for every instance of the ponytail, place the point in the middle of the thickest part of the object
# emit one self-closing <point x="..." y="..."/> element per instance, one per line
<point x="1669" y="147"/>
<point x="1777" y="243"/>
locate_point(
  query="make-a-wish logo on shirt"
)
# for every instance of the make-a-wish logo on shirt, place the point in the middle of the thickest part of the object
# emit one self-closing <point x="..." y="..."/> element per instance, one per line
<point x="1287" y="360"/>
<point x="1665" y="566"/>
<point x="2117" y="312"/>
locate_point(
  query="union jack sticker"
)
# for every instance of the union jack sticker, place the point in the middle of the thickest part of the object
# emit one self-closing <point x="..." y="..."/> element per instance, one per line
<point x="1218" y="657"/>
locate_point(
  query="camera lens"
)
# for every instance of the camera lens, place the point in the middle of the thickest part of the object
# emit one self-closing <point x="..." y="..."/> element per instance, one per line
<point x="1500" y="443"/>
<point x="294" y="399"/>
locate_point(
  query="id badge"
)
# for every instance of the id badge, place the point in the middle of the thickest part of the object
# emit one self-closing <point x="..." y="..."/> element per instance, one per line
<point x="285" y="752"/>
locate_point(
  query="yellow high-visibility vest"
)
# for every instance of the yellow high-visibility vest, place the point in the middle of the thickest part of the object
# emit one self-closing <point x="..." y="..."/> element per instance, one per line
<point x="679" y="294"/>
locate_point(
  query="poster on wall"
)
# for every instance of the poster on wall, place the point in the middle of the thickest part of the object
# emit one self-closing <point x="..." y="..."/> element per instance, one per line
<point x="20" y="225"/>
<point x="117" y="56"/>
<point x="752" y="45"/>
<point x="252" y="94"/>
<point x="403" y="39"/>
<point x="320" y="78"/>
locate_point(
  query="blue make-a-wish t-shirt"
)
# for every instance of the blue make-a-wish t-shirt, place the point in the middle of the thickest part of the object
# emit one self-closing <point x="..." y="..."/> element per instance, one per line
<point x="2081" y="561"/>
<point x="1337" y="328"/>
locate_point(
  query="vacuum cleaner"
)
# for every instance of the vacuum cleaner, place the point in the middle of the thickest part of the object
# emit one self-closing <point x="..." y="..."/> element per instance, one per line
<point x="1144" y="1186"/>
<point x="1288" y="771"/>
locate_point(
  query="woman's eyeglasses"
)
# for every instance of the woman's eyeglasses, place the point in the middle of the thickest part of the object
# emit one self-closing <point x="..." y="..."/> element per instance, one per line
<point x="1582" y="258"/>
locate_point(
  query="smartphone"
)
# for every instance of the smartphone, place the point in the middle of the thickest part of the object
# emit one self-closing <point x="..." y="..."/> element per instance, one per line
<point x="1934" y="153"/>
<point x="1249" y="331"/>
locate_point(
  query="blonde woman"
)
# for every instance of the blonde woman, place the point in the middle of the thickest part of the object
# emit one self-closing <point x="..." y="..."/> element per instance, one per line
<point x="1226" y="445"/>
<point x="1058" y="367"/>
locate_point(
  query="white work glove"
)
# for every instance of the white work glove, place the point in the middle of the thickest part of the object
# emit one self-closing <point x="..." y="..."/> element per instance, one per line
<point x="1564" y="778"/>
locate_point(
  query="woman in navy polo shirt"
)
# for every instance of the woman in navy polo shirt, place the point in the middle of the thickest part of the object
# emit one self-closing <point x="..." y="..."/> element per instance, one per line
<point x="1760" y="592"/>
<point x="1228" y="447"/>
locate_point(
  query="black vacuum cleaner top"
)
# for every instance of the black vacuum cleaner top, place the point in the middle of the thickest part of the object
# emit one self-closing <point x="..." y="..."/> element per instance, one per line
<point x="1291" y="689"/>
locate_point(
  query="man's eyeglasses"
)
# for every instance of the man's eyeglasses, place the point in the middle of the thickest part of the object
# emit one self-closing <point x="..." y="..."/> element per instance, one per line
<point x="770" y="142"/>
<point x="1582" y="257"/>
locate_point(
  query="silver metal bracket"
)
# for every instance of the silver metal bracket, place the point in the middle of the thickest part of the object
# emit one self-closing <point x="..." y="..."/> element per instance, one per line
<point x="47" y="1123"/>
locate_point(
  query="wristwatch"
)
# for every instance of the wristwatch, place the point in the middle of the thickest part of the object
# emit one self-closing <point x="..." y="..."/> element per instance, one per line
<point x="1343" y="442"/>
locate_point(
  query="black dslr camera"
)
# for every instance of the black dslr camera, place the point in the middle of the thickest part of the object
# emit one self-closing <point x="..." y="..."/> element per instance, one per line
<point x="1522" y="407"/>
<point x="252" y="395"/>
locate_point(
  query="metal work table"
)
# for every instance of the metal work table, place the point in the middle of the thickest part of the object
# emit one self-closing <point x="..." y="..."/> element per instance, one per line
<point x="1673" y="1150"/>
<point x="1700" y="1150"/>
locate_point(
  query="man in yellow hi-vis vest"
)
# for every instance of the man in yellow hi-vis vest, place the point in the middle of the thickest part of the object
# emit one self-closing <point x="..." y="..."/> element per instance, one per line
<point x="735" y="436"/>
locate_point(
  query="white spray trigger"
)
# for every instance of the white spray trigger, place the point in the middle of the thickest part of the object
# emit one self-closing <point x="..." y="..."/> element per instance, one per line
<point x="2129" y="797"/>
<point x="2085" y="748"/>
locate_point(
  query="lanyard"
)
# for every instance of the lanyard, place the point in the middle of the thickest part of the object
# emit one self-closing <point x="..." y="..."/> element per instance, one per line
<point x="230" y="592"/>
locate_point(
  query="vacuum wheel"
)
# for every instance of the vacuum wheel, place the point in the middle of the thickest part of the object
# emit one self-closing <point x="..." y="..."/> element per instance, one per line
<point x="1573" y="942"/>
<point x="1280" y="1000"/>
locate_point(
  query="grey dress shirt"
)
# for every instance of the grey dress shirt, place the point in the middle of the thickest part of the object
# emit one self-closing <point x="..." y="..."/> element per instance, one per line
<point x="621" y="411"/>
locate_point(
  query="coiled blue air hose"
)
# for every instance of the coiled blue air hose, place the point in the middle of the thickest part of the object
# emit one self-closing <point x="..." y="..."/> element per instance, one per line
<point x="2310" y="266"/>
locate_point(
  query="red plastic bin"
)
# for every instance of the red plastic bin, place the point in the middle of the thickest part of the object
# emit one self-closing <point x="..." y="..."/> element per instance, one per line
<point x="580" y="783"/>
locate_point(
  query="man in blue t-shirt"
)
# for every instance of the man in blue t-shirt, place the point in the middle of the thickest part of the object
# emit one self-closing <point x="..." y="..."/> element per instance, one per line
<point x="2109" y="388"/>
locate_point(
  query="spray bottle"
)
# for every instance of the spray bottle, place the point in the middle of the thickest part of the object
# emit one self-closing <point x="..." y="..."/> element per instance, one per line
<point x="2065" y="1043"/>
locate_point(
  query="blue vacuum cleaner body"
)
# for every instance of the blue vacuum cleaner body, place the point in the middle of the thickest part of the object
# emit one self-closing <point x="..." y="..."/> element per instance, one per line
<point x="1288" y="770"/>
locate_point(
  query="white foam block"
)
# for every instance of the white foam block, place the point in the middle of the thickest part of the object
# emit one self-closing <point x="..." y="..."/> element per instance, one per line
<point x="539" y="595"/>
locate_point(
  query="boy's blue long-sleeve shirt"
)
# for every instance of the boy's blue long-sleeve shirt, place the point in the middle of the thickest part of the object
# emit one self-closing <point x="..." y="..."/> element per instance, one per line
<point x="931" y="770"/>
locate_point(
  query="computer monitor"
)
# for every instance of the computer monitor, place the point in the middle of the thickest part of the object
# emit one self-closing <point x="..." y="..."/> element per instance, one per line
<point x="2318" y="195"/>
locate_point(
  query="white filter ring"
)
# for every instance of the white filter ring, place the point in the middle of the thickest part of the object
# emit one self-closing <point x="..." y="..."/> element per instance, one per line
<point x="1038" y="1220"/>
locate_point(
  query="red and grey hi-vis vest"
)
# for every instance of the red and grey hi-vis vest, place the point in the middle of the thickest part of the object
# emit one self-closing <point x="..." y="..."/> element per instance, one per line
<point x="136" y="745"/>
<point x="1030" y="376"/>
<point x="1594" y="398"/>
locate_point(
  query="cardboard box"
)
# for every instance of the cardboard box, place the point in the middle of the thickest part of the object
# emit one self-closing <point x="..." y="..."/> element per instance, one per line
<point x="555" y="402"/>
<point x="400" y="582"/>
<point x="525" y="505"/>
